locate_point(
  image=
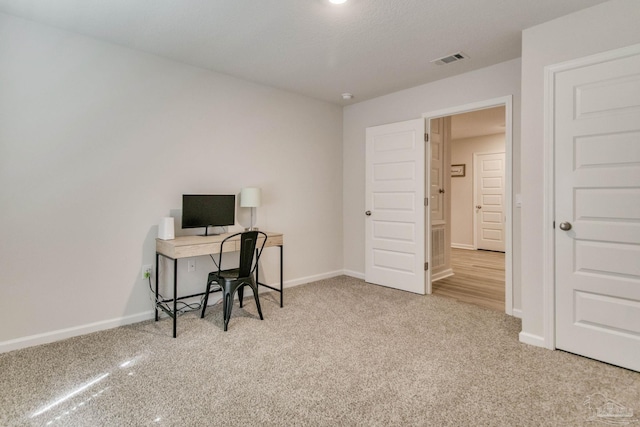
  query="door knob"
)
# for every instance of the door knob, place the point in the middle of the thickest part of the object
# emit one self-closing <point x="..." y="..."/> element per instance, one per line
<point x="565" y="226"/>
<point x="441" y="190"/>
<point x="478" y="207"/>
<point x="368" y="213"/>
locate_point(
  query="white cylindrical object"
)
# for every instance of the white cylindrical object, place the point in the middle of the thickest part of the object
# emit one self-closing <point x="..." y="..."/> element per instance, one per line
<point x="166" y="230"/>
<point x="250" y="197"/>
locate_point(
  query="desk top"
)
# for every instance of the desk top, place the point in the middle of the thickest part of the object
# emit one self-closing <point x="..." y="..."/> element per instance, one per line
<point x="190" y="246"/>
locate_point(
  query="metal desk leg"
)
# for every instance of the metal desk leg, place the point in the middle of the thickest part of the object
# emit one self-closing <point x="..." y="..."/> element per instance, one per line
<point x="156" y="299"/>
<point x="175" y="296"/>
<point x="281" y="280"/>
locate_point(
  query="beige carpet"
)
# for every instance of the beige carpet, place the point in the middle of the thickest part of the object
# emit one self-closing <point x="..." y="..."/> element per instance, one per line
<point x="341" y="352"/>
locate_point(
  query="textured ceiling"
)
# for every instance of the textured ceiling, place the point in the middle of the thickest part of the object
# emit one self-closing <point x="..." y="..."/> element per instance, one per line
<point x="366" y="47"/>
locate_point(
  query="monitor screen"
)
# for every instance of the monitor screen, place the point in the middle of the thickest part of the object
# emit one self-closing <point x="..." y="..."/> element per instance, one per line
<point x="204" y="210"/>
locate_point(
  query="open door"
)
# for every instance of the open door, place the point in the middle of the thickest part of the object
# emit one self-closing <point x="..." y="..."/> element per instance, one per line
<point x="396" y="247"/>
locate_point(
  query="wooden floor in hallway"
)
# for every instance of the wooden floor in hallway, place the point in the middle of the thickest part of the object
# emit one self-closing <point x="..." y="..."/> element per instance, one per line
<point x="478" y="278"/>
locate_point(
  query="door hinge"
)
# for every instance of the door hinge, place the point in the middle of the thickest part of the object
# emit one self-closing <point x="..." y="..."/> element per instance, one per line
<point x="426" y="266"/>
<point x="426" y="201"/>
<point x="426" y="137"/>
<point x="554" y="224"/>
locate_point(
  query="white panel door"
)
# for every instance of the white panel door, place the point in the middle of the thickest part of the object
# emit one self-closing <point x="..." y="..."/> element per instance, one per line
<point x="437" y="170"/>
<point x="597" y="210"/>
<point x="489" y="171"/>
<point x="395" y="211"/>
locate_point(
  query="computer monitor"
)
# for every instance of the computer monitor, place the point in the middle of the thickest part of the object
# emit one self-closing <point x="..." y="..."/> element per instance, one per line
<point x="208" y="210"/>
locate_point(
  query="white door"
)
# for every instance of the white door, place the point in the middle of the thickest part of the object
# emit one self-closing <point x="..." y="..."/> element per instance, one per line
<point x="395" y="212"/>
<point x="436" y="141"/>
<point x="597" y="210"/>
<point x="489" y="170"/>
<point x="438" y="223"/>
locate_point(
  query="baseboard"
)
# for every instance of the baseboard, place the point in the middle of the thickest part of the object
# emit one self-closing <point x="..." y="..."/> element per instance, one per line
<point x="309" y="279"/>
<point x="61" y="334"/>
<point x="531" y="339"/>
<point x="354" y="274"/>
<point x="517" y="313"/>
<point x="442" y="274"/>
<point x="463" y="246"/>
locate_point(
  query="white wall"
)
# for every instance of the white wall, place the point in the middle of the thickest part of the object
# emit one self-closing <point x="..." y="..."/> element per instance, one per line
<point x="462" y="207"/>
<point x="604" y="27"/>
<point x="98" y="142"/>
<point x="488" y="83"/>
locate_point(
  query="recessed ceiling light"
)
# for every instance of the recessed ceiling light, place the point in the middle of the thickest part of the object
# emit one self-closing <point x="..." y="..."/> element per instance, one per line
<point x="347" y="96"/>
<point x="337" y="1"/>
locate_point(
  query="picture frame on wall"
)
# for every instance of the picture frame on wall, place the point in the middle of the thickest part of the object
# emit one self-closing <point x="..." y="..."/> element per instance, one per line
<point x="458" y="170"/>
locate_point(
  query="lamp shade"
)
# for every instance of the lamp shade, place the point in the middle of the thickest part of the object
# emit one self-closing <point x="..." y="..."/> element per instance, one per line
<point x="250" y="197"/>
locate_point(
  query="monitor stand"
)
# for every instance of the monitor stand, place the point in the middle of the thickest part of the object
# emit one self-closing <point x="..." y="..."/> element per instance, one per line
<point x="206" y="232"/>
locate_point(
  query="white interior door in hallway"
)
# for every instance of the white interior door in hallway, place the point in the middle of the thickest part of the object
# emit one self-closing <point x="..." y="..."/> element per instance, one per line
<point x="437" y="163"/>
<point x="597" y="207"/>
<point x="395" y="214"/>
<point x="489" y="183"/>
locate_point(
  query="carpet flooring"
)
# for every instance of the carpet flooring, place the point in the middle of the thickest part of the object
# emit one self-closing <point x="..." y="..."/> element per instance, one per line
<point x="340" y="352"/>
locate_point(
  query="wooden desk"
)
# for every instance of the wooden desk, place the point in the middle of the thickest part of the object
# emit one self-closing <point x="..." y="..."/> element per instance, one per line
<point x="192" y="246"/>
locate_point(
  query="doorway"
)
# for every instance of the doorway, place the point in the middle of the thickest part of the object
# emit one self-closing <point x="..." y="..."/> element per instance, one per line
<point x="486" y="128"/>
<point x="474" y="143"/>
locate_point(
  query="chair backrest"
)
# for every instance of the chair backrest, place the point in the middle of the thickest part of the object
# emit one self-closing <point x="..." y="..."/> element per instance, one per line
<point x="248" y="243"/>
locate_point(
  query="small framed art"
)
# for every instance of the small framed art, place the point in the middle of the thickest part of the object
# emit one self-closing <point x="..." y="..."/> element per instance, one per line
<point x="458" y="170"/>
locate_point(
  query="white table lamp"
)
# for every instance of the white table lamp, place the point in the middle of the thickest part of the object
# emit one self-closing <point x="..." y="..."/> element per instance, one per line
<point x="250" y="197"/>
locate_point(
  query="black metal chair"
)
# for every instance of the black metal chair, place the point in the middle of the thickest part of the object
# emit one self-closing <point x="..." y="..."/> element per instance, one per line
<point x="230" y="281"/>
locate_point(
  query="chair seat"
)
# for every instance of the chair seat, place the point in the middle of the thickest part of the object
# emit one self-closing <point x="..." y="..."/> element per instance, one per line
<point x="224" y="275"/>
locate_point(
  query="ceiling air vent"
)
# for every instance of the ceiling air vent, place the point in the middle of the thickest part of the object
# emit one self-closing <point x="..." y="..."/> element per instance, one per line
<point x="454" y="57"/>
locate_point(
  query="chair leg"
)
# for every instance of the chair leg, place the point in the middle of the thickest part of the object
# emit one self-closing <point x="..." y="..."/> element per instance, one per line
<point x="240" y="294"/>
<point x="228" y="304"/>
<point x="255" y="296"/>
<point x="206" y="300"/>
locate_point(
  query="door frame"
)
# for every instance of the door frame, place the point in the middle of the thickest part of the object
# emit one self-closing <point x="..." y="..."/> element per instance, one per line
<point x="507" y="102"/>
<point x="475" y="192"/>
<point x="548" y="217"/>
